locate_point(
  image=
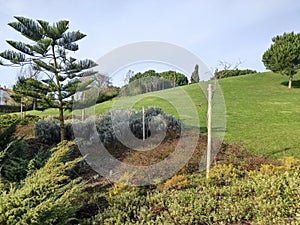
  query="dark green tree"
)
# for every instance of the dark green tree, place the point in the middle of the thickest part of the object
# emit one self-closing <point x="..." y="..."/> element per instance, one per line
<point x="48" y="53"/>
<point x="178" y="79"/>
<point x="195" y="75"/>
<point x="30" y="87"/>
<point x="283" y="56"/>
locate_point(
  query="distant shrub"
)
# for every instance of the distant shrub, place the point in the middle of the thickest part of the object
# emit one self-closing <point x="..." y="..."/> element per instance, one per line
<point x="29" y="118"/>
<point x="233" y="73"/>
<point x="173" y="76"/>
<point x="107" y="94"/>
<point x="7" y="119"/>
<point x="9" y="108"/>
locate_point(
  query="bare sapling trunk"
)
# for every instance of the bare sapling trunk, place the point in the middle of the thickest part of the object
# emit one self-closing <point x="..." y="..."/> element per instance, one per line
<point x="290" y="80"/>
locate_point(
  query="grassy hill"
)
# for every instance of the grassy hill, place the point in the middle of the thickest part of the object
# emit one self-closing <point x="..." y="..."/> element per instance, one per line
<point x="262" y="113"/>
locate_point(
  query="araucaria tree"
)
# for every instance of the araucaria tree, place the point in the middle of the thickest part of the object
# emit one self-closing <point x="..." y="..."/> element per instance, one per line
<point x="195" y="75"/>
<point x="283" y="56"/>
<point x="47" y="52"/>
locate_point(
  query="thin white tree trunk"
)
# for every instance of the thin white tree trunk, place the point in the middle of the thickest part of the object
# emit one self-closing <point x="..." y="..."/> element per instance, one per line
<point x="290" y="81"/>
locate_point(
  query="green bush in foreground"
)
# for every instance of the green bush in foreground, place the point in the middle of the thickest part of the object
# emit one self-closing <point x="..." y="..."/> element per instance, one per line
<point x="47" y="196"/>
<point x="267" y="196"/>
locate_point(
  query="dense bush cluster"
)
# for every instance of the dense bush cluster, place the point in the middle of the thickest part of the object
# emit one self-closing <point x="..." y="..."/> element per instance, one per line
<point x="156" y="120"/>
<point x="232" y="73"/>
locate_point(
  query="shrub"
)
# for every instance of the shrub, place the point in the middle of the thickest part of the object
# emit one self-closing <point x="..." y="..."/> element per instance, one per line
<point x="260" y="199"/>
<point x="6" y="135"/>
<point x="14" y="155"/>
<point x="177" y="182"/>
<point x="9" y="108"/>
<point x="223" y="174"/>
<point x="14" y="160"/>
<point x="233" y="73"/>
<point x="8" y="119"/>
<point x="48" y="196"/>
<point x="29" y="118"/>
<point x="47" y="131"/>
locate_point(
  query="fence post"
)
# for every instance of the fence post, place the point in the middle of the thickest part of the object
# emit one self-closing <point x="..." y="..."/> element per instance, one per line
<point x="144" y="124"/>
<point x="209" y="132"/>
<point x="21" y="115"/>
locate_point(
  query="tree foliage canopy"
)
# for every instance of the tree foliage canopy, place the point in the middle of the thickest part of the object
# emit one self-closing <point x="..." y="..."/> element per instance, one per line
<point x="283" y="56"/>
<point x="47" y="52"/>
<point x="178" y="78"/>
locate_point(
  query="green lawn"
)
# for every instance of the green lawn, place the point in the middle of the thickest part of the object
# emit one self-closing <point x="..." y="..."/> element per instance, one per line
<point x="262" y="114"/>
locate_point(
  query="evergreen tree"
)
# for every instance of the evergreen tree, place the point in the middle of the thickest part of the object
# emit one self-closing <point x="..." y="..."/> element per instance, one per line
<point x="47" y="52"/>
<point x="195" y="75"/>
<point x="283" y="56"/>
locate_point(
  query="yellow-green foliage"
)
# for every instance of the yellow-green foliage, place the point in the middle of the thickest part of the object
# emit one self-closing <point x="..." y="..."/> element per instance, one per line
<point x="117" y="188"/>
<point x="176" y="182"/>
<point x="287" y="163"/>
<point x="262" y="199"/>
<point x="222" y="174"/>
<point x="290" y="162"/>
<point x="120" y="186"/>
<point x="46" y="197"/>
<point x="269" y="169"/>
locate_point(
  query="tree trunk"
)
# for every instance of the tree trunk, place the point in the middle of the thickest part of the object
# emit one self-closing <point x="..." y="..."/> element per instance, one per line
<point x="61" y="123"/>
<point x="34" y="104"/>
<point x="60" y="99"/>
<point x="290" y="80"/>
<point x="21" y="115"/>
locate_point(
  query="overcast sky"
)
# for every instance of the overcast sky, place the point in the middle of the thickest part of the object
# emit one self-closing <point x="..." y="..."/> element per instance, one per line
<point x="213" y="30"/>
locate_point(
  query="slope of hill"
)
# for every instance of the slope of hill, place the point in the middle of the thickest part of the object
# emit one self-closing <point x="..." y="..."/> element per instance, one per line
<point x="263" y="115"/>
